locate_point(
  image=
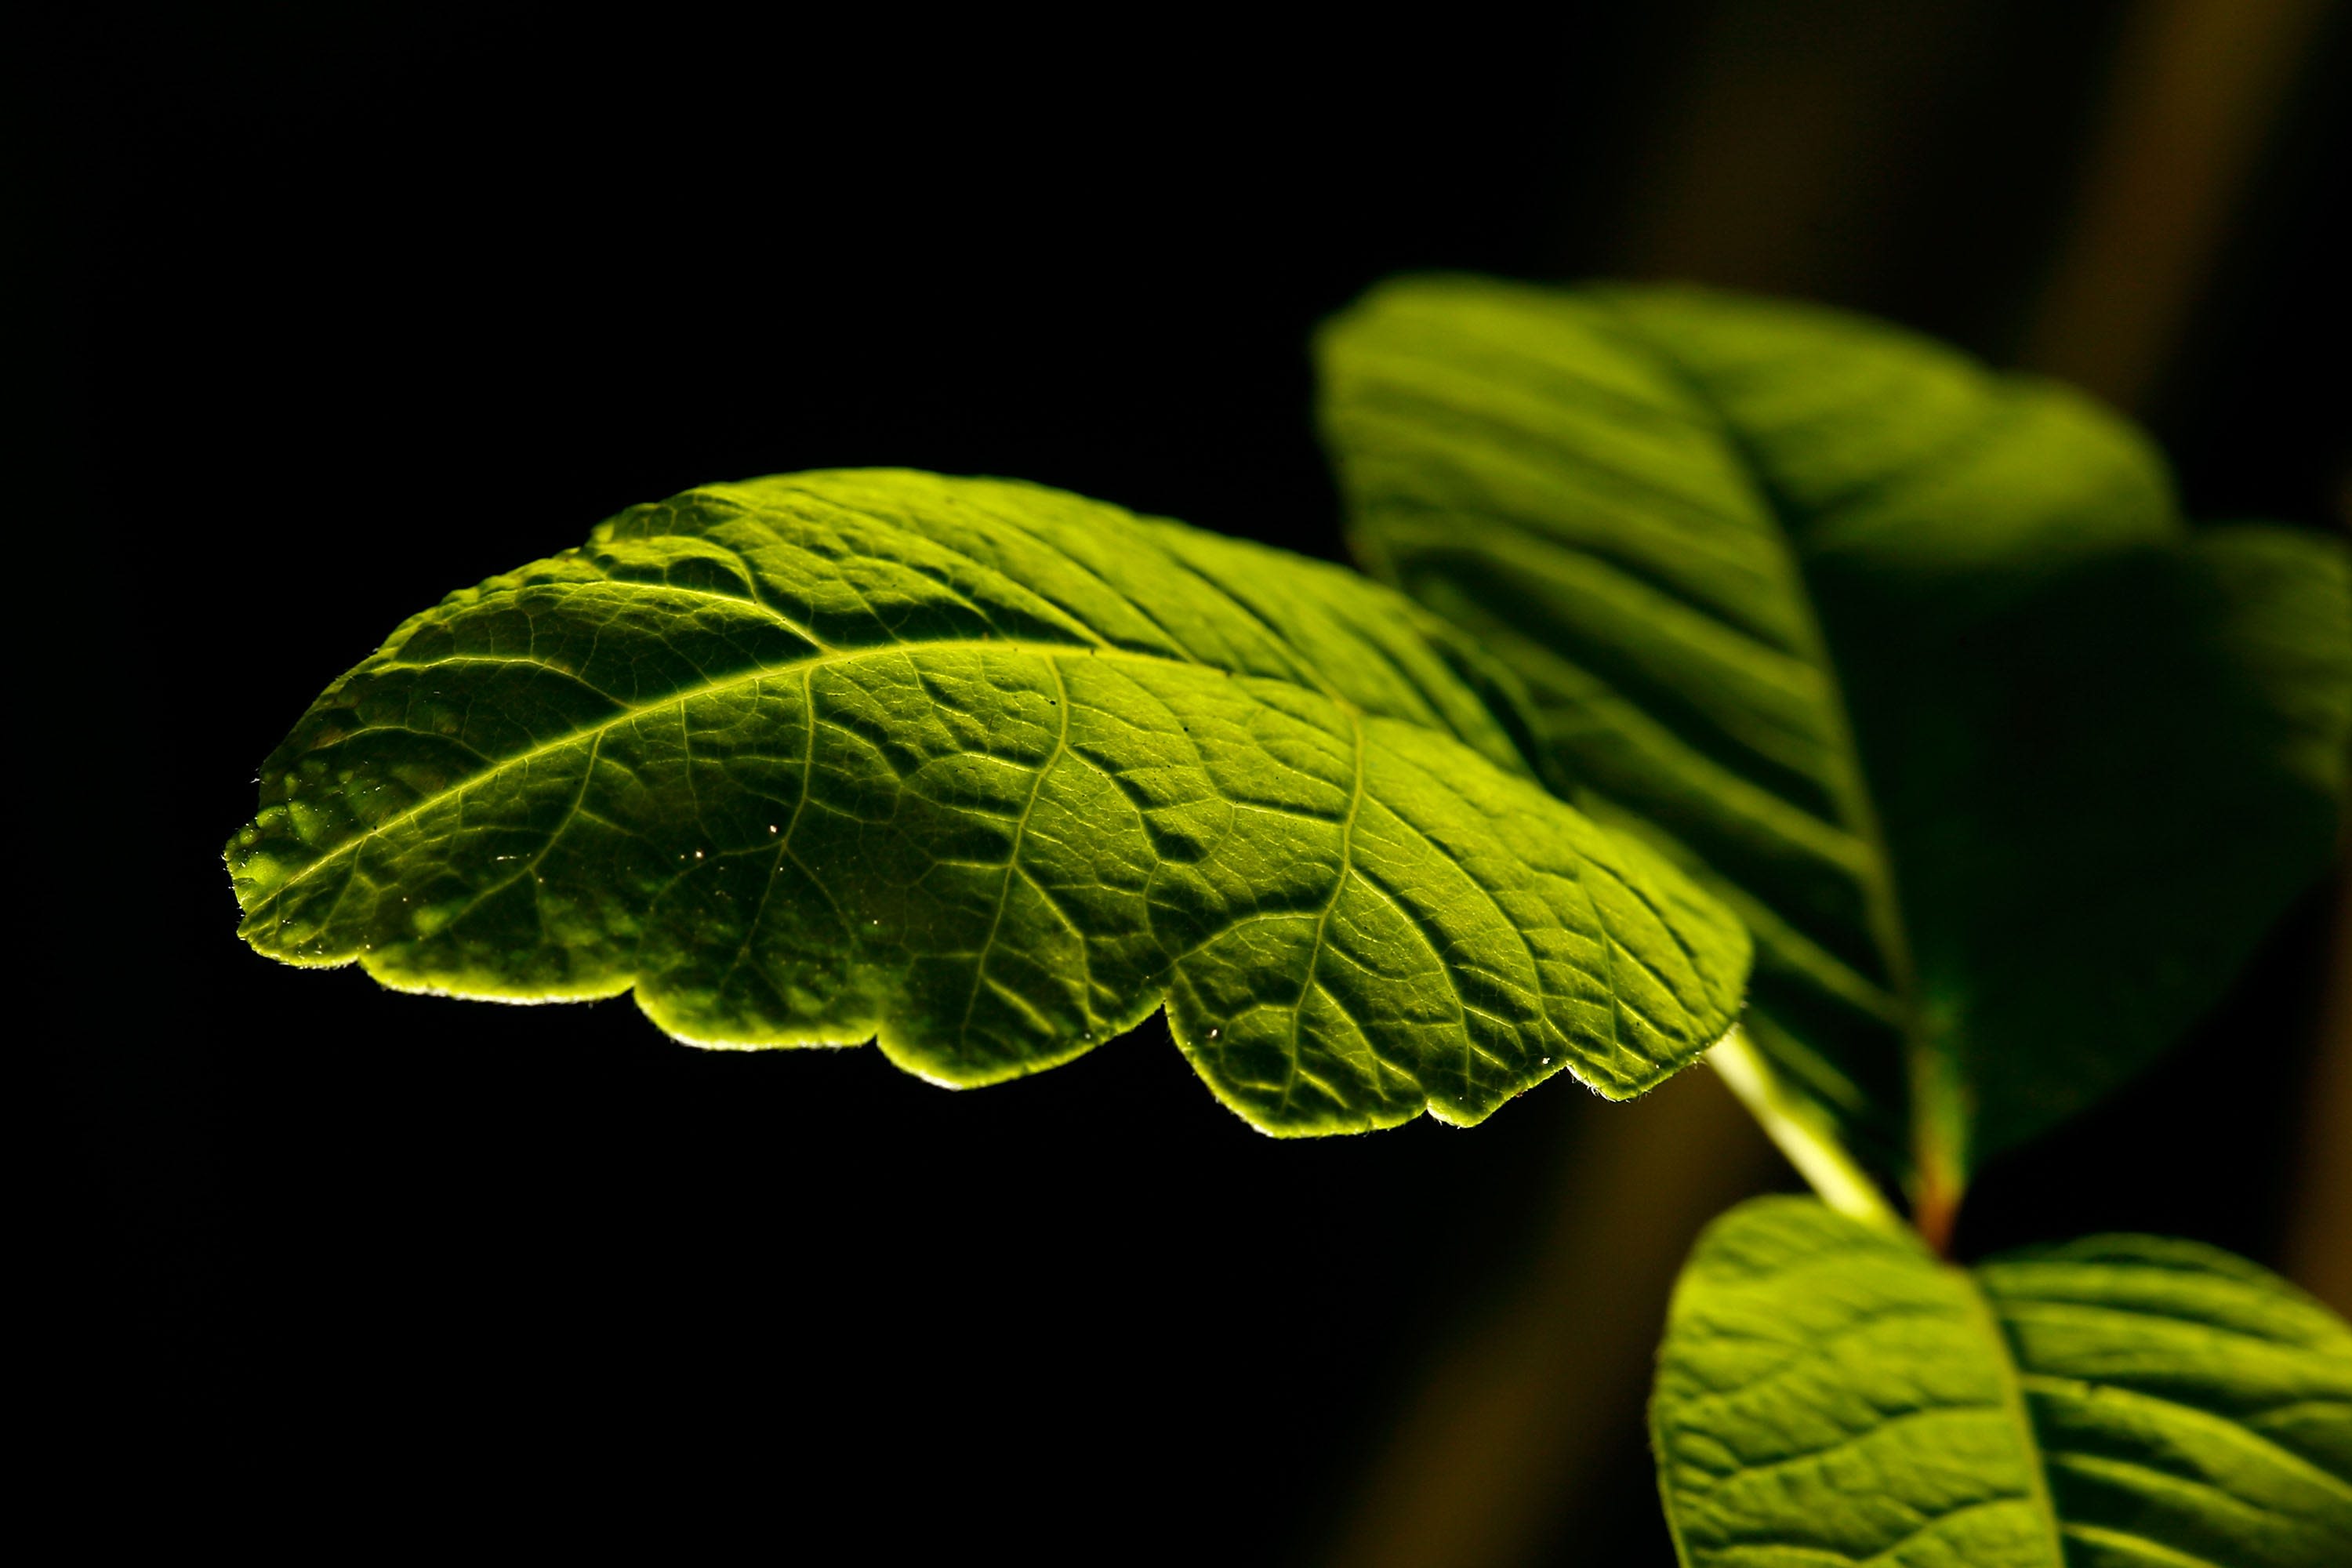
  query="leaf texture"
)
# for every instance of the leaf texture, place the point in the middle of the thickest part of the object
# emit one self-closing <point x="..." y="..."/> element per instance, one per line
<point x="2186" y="1402"/>
<point x="985" y="771"/>
<point x="1914" y="665"/>
<point x="1829" y="1393"/>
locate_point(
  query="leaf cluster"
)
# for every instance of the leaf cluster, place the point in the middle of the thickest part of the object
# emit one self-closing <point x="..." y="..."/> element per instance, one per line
<point x="1743" y="679"/>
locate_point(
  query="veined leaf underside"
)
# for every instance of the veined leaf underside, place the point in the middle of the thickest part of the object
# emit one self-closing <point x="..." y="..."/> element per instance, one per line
<point x="1912" y="665"/>
<point x="1589" y="518"/>
<point x="986" y="772"/>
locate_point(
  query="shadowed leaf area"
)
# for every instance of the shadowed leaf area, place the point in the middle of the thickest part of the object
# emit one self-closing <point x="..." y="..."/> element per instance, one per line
<point x="985" y="771"/>
<point x="1914" y="665"/>
<point x="1830" y="1394"/>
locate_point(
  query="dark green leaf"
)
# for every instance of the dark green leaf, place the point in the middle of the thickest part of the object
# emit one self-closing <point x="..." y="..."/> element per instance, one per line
<point x="987" y="771"/>
<point x="1830" y="1394"/>
<point x="1912" y="663"/>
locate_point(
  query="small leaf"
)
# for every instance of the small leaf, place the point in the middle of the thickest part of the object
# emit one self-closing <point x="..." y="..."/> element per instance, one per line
<point x="1828" y="1393"/>
<point x="986" y="771"/>
<point x="1913" y="665"/>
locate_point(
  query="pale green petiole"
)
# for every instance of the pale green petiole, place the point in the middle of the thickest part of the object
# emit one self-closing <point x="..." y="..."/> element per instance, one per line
<point x="1802" y="1132"/>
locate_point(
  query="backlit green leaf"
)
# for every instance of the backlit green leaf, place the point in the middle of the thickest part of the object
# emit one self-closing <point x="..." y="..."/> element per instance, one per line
<point x="1830" y="1394"/>
<point x="1913" y="663"/>
<point x="986" y="771"/>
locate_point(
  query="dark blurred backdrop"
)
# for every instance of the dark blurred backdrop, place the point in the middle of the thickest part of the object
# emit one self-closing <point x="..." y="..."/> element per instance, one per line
<point x="330" y="315"/>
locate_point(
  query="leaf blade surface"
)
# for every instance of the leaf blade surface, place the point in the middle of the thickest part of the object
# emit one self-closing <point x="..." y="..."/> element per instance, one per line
<point x="1784" y="588"/>
<point x="986" y="771"/>
<point x="2183" y="1397"/>
<point x="1827" y="1391"/>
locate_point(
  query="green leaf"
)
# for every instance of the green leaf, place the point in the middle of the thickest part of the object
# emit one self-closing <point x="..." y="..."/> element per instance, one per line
<point x="986" y="771"/>
<point x="2183" y="1395"/>
<point x="1914" y="665"/>
<point x="1829" y="1393"/>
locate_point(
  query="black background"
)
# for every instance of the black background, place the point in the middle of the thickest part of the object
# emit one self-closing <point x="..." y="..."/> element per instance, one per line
<point x="341" y="315"/>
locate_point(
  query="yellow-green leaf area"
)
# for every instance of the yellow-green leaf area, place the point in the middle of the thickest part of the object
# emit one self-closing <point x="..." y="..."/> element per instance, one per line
<point x="1828" y="1393"/>
<point x="985" y="771"/>
<point x="2186" y="1402"/>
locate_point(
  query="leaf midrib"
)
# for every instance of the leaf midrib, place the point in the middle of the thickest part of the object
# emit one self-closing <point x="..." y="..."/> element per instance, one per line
<point x="1986" y="1319"/>
<point x="1936" y="1166"/>
<point x="804" y="667"/>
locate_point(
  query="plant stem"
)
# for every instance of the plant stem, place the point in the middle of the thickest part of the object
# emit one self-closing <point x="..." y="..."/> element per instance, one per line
<point x="1937" y="1129"/>
<point x="1800" y="1131"/>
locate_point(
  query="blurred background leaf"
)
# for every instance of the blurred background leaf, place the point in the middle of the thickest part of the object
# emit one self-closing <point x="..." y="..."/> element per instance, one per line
<point x="1916" y="664"/>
